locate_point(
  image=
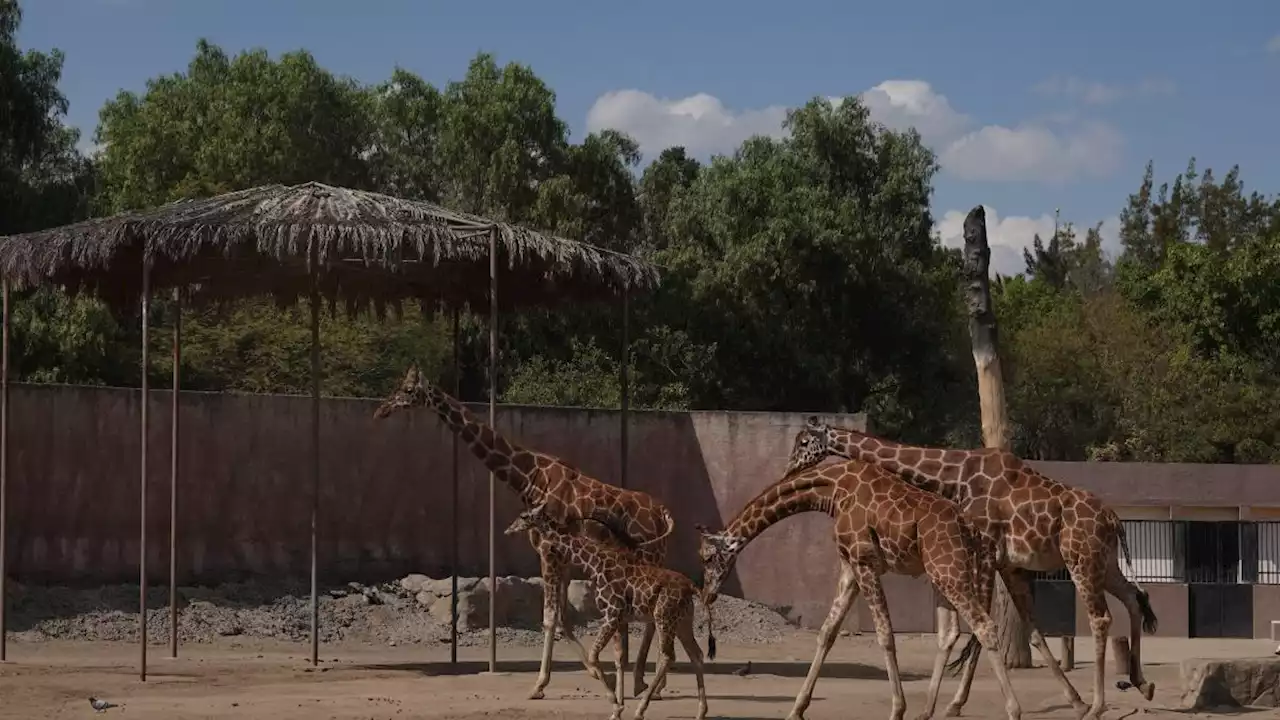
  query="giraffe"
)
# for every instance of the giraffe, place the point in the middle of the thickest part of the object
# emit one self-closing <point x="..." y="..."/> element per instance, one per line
<point x="1035" y="523"/>
<point x="628" y="585"/>
<point x="882" y="525"/>
<point x="629" y="517"/>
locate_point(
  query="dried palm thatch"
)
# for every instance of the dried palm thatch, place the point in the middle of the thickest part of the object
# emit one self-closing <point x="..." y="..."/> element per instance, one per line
<point x="371" y="249"/>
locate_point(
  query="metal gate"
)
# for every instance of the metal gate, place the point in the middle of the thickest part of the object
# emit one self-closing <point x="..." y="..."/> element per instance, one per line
<point x="1055" y="603"/>
<point x="1221" y="561"/>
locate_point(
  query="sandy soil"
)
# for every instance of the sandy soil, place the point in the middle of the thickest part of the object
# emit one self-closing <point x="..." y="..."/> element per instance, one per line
<point x="247" y="678"/>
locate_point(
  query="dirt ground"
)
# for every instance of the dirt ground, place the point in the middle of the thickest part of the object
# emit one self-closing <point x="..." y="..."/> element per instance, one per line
<point x="246" y="678"/>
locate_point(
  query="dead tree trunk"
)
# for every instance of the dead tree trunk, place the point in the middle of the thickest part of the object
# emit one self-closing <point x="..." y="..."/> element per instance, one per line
<point x="1015" y="636"/>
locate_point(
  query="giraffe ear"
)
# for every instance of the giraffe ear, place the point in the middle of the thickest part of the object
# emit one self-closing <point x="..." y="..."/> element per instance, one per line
<point x="411" y="377"/>
<point x="812" y="423"/>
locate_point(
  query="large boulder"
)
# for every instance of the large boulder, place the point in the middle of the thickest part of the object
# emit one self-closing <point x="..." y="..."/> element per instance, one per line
<point x="1211" y="684"/>
<point x="518" y="604"/>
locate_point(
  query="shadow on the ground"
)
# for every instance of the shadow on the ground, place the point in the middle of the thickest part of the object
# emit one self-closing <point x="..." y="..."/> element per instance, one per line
<point x="840" y="670"/>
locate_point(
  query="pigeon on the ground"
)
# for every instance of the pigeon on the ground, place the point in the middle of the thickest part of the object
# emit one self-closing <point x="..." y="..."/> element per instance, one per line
<point x="1123" y="685"/>
<point x="100" y="705"/>
<point x="743" y="671"/>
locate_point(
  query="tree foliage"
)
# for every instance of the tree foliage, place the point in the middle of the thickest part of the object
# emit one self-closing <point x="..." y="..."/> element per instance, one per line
<point x="801" y="273"/>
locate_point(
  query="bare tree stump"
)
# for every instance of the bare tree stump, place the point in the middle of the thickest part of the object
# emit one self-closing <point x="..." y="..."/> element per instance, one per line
<point x="1015" y="636"/>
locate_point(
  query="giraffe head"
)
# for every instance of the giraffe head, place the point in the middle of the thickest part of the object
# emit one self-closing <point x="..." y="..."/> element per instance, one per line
<point x="812" y="445"/>
<point x="718" y="552"/>
<point x="411" y="393"/>
<point x="534" y="518"/>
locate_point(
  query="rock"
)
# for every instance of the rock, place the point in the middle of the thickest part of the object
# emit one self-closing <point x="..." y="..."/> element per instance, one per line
<point x="1211" y="684"/>
<point x="413" y="582"/>
<point x="443" y="587"/>
<point x="582" y="602"/>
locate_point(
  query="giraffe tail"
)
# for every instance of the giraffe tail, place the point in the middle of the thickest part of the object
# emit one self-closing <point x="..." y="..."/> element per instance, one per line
<point x="711" y="626"/>
<point x="670" y="526"/>
<point x="970" y="650"/>
<point x="1149" y="620"/>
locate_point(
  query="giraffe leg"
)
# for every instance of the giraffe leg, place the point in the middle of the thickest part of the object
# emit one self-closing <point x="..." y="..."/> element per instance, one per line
<point x="869" y="583"/>
<point x="554" y="575"/>
<point x="1090" y="580"/>
<point x="984" y="629"/>
<point x="690" y="643"/>
<point x="667" y="649"/>
<point x="608" y="628"/>
<point x="948" y="633"/>
<point x="971" y="664"/>
<point x="1132" y="597"/>
<point x="642" y="658"/>
<point x="845" y="593"/>
<point x="1019" y="587"/>
<point x="566" y="627"/>
<point x="620" y="664"/>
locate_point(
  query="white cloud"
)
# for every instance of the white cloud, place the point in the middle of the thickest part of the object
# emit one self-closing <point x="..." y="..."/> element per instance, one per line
<point x="700" y="123"/>
<point x="1034" y="152"/>
<point x="1273" y="45"/>
<point x="1030" y="152"/>
<point x="1093" y="92"/>
<point x="901" y="104"/>
<point x="1009" y="236"/>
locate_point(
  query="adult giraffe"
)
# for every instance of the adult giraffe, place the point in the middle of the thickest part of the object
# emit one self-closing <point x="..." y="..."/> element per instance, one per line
<point x="882" y="525"/>
<point x="1035" y="523"/>
<point x="628" y="518"/>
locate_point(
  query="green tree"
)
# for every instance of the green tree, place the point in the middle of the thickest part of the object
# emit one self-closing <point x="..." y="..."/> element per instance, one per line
<point x="231" y="123"/>
<point x="810" y="263"/>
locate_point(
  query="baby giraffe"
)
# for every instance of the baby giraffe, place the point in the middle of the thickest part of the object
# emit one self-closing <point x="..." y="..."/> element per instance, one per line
<point x="628" y="588"/>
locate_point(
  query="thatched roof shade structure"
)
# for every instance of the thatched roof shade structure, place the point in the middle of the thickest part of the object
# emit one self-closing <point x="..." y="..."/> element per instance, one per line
<point x="257" y="242"/>
<point x="314" y="241"/>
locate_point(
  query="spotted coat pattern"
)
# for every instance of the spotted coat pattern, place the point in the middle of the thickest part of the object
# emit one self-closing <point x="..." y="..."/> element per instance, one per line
<point x="882" y="525"/>
<point x="629" y="586"/>
<point x="1033" y="522"/>
<point x="628" y="517"/>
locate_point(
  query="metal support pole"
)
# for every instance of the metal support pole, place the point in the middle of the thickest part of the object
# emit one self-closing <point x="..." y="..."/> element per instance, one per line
<point x="4" y="472"/>
<point x="315" y="448"/>
<point x="173" y="473"/>
<point x="142" y="496"/>
<point x="623" y="440"/>
<point x="453" y="501"/>
<point x="493" y="423"/>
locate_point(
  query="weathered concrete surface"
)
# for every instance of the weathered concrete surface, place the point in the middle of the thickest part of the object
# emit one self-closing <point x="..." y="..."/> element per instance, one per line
<point x="386" y="494"/>
<point x="1209" y="684"/>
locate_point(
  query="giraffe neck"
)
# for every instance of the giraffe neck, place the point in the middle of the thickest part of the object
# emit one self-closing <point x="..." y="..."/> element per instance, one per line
<point x="804" y="492"/>
<point x="886" y="454"/>
<point x="495" y="451"/>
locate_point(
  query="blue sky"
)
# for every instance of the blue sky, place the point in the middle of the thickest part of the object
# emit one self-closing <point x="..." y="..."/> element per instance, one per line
<point x="1030" y="106"/>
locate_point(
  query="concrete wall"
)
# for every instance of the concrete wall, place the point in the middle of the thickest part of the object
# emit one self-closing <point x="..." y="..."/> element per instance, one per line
<point x="385" y="489"/>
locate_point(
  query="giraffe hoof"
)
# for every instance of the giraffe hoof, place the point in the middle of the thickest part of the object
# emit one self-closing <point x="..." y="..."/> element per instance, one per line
<point x="536" y="695"/>
<point x="1148" y="690"/>
<point x="952" y="711"/>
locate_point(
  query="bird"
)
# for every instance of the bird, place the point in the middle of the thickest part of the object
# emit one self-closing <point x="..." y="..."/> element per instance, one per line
<point x="100" y="705"/>
<point x="1123" y="685"/>
<point x="743" y="671"/>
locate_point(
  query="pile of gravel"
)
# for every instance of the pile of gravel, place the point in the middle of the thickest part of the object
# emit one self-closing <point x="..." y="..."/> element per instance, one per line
<point x="396" y="613"/>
